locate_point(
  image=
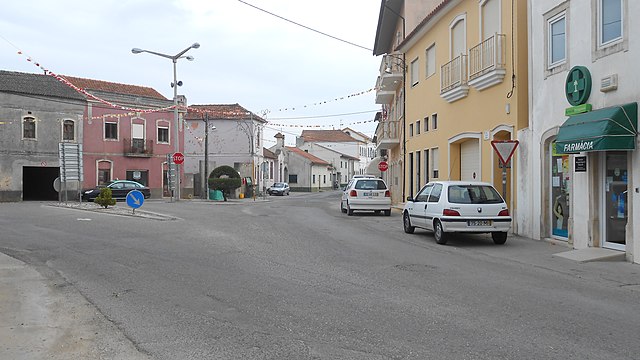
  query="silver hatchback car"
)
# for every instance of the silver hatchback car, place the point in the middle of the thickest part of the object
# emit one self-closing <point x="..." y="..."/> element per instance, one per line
<point x="447" y="207"/>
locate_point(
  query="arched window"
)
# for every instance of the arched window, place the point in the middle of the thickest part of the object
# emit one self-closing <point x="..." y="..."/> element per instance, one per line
<point x="28" y="127"/>
<point x="68" y="130"/>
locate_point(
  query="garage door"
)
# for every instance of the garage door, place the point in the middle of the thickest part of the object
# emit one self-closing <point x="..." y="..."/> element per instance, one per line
<point x="470" y="160"/>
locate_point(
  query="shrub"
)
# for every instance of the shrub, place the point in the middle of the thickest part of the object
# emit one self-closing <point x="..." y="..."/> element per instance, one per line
<point x="105" y="199"/>
<point x="224" y="178"/>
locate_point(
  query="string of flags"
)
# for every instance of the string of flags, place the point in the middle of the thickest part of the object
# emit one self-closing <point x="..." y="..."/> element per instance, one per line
<point x="135" y="111"/>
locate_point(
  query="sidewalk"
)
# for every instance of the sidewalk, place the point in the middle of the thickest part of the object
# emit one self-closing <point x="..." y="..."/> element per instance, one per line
<point x="43" y="319"/>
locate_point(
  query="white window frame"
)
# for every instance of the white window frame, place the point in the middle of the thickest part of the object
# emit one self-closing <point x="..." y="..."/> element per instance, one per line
<point x="104" y="129"/>
<point x="481" y="22"/>
<point x="430" y="54"/>
<point x="600" y="25"/>
<point x="555" y="19"/>
<point x="415" y="72"/>
<point x="434" y="157"/>
<point x="434" y="121"/>
<point x="599" y="49"/>
<point x="460" y="18"/>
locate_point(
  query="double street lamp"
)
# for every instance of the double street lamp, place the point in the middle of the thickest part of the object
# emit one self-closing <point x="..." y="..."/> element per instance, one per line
<point x="174" y="85"/>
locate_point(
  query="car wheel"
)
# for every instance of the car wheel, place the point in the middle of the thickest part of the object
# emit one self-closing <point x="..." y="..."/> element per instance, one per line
<point x="349" y="210"/>
<point x="344" y="211"/>
<point x="499" y="238"/>
<point x="387" y="213"/>
<point x="438" y="233"/>
<point x="406" y="224"/>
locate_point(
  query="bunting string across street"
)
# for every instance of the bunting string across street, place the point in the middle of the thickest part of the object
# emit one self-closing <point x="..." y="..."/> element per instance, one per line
<point x="135" y="111"/>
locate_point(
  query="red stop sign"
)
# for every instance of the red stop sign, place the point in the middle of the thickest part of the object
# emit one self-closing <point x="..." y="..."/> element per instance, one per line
<point x="383" y="166"/>
<point x="178" y="158"/>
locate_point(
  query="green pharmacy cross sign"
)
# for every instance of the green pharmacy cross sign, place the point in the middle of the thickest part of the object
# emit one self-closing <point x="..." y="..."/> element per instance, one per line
<point x="578" y="85"/>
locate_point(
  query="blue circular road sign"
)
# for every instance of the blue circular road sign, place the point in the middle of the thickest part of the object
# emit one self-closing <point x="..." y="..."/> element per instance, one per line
<point x="135" y="199"/>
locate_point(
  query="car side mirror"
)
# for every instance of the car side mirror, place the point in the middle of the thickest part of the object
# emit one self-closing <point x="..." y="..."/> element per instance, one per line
<point x="409" y="198"/>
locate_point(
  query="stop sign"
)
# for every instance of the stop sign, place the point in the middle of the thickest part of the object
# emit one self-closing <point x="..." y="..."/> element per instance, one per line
<point x="178" y="158"/>
<point x="383" y="166"/>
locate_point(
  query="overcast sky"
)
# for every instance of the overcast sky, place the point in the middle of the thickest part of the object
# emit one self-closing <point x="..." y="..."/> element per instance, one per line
<point x="246" y="56"/>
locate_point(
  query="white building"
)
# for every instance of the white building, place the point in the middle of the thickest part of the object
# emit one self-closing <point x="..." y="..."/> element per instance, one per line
<point x="579" y="169"/>
<point x="234" y="138"/>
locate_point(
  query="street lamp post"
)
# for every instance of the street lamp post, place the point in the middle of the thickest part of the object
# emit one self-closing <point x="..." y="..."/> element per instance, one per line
<point x="174" y="85"/>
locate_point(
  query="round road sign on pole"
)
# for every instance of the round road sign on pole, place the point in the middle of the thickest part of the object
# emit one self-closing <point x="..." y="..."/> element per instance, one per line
<point x="383" y="166"/>
<point x="178" y="158"/>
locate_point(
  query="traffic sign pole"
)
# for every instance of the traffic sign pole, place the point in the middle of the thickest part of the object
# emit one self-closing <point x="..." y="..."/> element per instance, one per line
<point x="505" y="150"/>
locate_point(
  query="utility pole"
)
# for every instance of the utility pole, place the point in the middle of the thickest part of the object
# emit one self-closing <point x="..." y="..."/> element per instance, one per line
<point x="206" y="155"/>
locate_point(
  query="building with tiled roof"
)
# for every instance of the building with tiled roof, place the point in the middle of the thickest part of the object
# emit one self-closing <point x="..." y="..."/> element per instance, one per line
<point x="306" y="171"/>
<point x="340" y="142"/>
<point x="37" y="113"/>
<point x="234" y="138"/>
<point x="105" y="87"/>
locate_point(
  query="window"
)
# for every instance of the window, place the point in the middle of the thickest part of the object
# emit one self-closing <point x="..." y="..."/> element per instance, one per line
<point x="430" y="62"/>
<point x="434" y="162"/>
<point x="324" y="179"/>
<point x="434" y="122"/>
<point x="490" y="12"/>
<point x="426" y="124"/>
<point x="104" y="176"/>
<point x="163" y="134"/>
<point x="610" y="21"/>
<point x="111" y="130"/>
<point x="556" y="37"/>
<point x="418" y="127"/>
<point x="434" y="196"/>
<point x="293" y="179"/>
<point x="458" y="41"/>
<point x="423" y="195"/>
<point x="68" y="130"/>
<point x="415" y="72"/>
<point x="314" y="178"/>
<point x="410" y="129"/>
<point x="28" y="128"/>
<point x="426" y="166"/>
<point x="557" y="40"/>
<point x="418" y="165"/>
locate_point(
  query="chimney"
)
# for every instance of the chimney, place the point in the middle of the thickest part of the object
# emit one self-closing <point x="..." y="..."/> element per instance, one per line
<point x="279" y="141"/>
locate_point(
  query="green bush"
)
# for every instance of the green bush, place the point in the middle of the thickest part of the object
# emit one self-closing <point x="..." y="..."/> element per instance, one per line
<point x="105" y="199"/>
<point x="224" y="178"/>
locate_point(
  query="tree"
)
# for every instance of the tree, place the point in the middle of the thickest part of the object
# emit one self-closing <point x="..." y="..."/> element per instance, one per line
<point x="105" y="199"/>
<point x="224" y="178"/>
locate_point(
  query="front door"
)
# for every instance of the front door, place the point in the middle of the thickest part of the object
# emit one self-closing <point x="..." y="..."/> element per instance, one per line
<point x="615" y="199"/>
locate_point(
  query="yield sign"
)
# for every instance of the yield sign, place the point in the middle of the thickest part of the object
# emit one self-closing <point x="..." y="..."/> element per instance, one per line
<point x="505" y="149"/>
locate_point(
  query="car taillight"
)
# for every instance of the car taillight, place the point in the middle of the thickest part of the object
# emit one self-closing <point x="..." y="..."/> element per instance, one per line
<point x="387" y="193"/>
<point x="449" y="212"/>
<point x="504" y="212"/>
<point x="353" y="193"/>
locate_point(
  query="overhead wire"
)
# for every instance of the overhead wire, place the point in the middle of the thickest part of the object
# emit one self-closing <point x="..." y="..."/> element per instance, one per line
<point x="306" y="27"/>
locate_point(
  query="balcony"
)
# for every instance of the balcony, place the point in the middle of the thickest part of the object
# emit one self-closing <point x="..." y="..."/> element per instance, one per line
<point x="138" y="147"/>
<point x="388" y="134"/>
<point x="384" y="96"/>
<point x="487" y="62"/>
<point x="391" y="72"/>
<point x="453" y="79"/>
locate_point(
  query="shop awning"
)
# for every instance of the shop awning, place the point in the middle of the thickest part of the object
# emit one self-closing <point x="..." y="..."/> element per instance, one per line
<point x="613" y="128"/>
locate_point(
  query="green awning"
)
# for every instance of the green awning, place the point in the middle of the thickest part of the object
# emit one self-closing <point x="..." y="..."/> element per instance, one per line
<point x="613" y="128"/>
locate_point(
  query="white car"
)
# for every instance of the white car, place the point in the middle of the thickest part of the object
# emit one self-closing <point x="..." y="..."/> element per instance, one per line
<point x="366" y="194"/>
<point x="446" y="207"/>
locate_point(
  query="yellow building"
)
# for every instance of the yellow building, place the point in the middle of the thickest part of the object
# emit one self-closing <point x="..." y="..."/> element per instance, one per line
<point x="464" y="85"/>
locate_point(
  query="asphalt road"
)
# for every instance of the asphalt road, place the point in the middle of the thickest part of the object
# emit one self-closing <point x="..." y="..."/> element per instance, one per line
<point x="294" y="278"/>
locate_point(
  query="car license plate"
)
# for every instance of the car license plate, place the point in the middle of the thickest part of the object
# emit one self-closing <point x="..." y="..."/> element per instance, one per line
<point x="370" y="194"/>
<point x="479" y="222"/>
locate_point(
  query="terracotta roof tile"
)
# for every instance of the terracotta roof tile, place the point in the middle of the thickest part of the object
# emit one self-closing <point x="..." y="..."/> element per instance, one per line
<point x="268" y="154"/>
<point x="221" y="112"/>
<point x="312" y="158"/>
<point x="326" y="136"/>
<point x="116" y="88"/>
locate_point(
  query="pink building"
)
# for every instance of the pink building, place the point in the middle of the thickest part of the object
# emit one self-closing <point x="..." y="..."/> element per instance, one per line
<point x="128" y="135"/>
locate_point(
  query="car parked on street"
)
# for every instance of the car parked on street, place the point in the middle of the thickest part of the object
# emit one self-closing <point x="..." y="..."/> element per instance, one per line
<point x="119" y="190"/>
<point x="366" y="194"/>
<point x="447" y="207"/>
<point x="278" y="188"/>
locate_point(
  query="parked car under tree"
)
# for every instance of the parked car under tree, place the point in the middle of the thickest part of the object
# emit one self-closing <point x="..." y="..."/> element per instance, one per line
<point x="119" y="190"/>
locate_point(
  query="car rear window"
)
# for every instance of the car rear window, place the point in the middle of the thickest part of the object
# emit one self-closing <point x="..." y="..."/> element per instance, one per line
<point x="370" y="185"/>
<point x="473" y="194"/>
